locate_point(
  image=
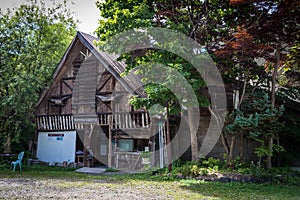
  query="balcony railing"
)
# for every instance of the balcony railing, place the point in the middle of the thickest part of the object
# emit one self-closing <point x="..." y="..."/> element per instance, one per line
<point x="131" y="120"/>
<point x="121" y="120"/>
<point x="55" y="122"/>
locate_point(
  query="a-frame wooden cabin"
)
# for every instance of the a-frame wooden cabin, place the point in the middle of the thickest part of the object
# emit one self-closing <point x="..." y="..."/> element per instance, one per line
<point x="86" y="109"/>
<point x="86" y="114"/>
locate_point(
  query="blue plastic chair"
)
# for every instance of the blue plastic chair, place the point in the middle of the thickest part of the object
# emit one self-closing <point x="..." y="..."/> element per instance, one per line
<point x="18" y="162"/>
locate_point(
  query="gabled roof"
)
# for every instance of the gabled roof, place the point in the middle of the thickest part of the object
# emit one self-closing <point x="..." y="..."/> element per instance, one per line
<point x="132" y="83"/>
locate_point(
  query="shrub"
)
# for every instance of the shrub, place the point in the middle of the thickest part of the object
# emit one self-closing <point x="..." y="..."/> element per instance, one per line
<point x="211" y="163"/>
<point x="191" y="169"/>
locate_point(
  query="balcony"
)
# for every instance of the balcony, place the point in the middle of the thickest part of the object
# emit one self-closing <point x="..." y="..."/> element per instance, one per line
<point x="55" y="122"/>
<point x="121" y="120"/>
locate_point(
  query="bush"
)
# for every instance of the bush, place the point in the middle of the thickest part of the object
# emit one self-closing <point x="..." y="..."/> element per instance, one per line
<point x="191" y="169"/>
<point x="177" y="163"/>
<point x="211" y="163"/>
<point x="196" y="171"/>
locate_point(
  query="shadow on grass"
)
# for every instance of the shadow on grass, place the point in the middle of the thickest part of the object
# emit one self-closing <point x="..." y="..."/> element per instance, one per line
<point x="242" y="190"/>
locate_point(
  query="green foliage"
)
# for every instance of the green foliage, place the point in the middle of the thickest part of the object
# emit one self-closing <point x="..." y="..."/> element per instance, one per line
<point x="191" y="169"/>
<point x="211" y="162"/>
<point x="209" y="167"/>
<point x="33" y="38"/>
<point x="258" y="121"/>
<point x="238" y="28"/>
<point x="177" y="163"/>
<point x="111" y="170"/>
<point x="146" y="154"/>
<point x="293" y="56"/>
<point x="198" y="168"/>
<point x="118" y="16"/>
<point x="40" y="168"/>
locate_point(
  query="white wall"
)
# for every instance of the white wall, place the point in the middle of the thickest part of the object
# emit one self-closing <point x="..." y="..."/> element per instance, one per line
<point x="56" y="146"/>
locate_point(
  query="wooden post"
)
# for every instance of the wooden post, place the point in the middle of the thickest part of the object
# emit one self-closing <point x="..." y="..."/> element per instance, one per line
<point x="169" y="149"/>
<point x="110" y="126"/>
<point x="161" y="148"/>
<point x="193" y="133"/>
<point x="109" y="159"/>
<point x="85" y="144"/>
<point x="143" y="120"/>
<point x="126" y="121"/>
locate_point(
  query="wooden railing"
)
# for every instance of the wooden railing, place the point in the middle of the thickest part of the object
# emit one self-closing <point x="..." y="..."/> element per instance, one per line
<point x="55" y="122"/>
<point x="130" y="120"/>
<point x="121" y="120"/>
<point x="103" y="118"/>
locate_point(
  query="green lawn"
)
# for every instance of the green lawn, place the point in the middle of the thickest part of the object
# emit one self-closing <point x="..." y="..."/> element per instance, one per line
<point x="55" y="183"/>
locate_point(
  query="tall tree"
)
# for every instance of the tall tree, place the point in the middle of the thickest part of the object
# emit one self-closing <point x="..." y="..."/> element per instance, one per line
<point x="32" y="40"/>
<point x="248" y="40"/>
<point x="119" y="16"/>
<point x="273" y="27"/>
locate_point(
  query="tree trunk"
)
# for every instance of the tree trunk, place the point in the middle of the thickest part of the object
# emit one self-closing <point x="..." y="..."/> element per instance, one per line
<point x="231" y="150"/>
<point x="269" y="157"/>
<point x="193" y="134"/>
<point x="7" y="145"/>
<point x="273" y="93"/>
<point x="223" y="138"/>
<point x="243" y="92"/>
<point x="242" y="146"/>
<point x="225" y="144"/>
<point x="274" y="76"/>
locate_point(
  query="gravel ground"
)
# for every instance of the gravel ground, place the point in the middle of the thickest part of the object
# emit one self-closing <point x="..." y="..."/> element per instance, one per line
<point x="29" y="188"/>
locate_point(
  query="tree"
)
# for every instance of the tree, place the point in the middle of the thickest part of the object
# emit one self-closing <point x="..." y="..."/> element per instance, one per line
<point x="249" y="41"/>
<point x="273" y="27"/>
<point x="237" y="60"/>
<point x="257" y="121"/>
<point x="119" y="16"/>
<point x="32" y="39"/>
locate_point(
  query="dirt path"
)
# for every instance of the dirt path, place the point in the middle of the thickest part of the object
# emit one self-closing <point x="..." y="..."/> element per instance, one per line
<point x="25" y="188"/>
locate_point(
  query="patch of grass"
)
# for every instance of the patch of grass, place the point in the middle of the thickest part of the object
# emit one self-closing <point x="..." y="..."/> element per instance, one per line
<point x="4" y="166"/>
<point x="160" y="183"/>
<point x="37" y="171"/>
<point x="242" y="190"/>
<point x="48" y="168"/>
<point x="111" y="170"/>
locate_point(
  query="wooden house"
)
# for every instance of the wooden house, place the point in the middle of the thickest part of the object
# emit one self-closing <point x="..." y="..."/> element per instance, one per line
<point x="85" y="115"/>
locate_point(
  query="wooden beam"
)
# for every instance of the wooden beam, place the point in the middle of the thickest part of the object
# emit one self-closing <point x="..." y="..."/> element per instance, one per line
<point x="66" y="84"/>
<point x="109" y="159"/>
<point x="146" y="137"/>
<point x="104" y="93"/>
<point x="106" y="81"/>
<point x="69" y="78"/>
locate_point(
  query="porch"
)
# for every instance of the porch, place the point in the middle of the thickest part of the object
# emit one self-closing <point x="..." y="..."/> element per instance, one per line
<point x="106" y="142"/>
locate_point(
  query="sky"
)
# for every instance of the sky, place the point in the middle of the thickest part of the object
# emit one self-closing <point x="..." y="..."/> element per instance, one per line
<point x="85" y="11"/>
